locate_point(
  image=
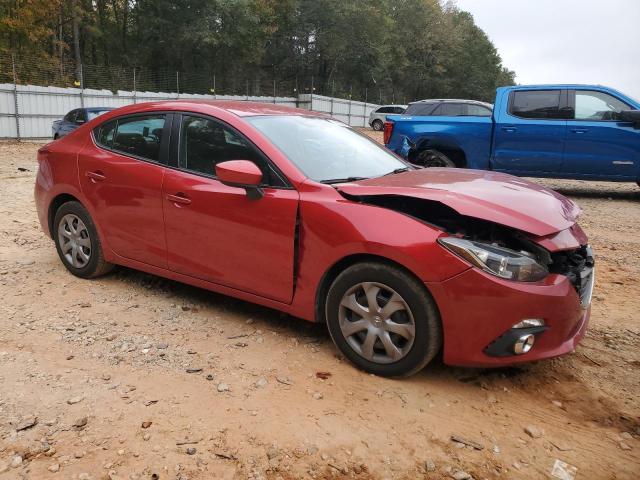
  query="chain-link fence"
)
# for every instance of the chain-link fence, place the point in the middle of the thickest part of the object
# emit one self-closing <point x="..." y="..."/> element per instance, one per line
<point x="53" y="72"/>
<point x="34" y="93"/>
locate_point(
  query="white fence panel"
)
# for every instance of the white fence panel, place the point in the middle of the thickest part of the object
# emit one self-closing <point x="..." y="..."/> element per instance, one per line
<point x="39" y="106"/>
<point x="350" y="112"/>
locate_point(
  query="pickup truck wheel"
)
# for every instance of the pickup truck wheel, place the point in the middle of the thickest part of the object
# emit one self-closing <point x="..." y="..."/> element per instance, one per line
<point x="434" y="158"/>
<point x="377" y="125"/>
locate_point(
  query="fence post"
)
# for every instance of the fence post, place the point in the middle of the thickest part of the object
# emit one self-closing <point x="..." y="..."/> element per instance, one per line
<point x="312" y="87"/>
<point x="364" y="114"/>
<point x="350" y="97"/>
<point x="81" y="85"/>
<point x="333" y="94"/>
<point x="178" y="84"/>
<point x="274" y="90"/>
<point x="134" y="85"/>
<point x="15" y="95"/>
<point x="247" y="90"/>
<point x="214" y="86"/>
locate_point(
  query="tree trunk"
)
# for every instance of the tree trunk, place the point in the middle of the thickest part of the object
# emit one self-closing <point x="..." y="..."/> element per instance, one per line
<point x="76" y="39"/>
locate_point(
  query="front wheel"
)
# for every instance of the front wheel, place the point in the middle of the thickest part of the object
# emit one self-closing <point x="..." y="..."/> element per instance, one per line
<point x="77" y="241"/>
<point x="383" y="319"/>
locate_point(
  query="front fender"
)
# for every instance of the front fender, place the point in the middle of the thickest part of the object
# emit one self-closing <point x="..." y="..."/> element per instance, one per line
<point x="334" y="229"/>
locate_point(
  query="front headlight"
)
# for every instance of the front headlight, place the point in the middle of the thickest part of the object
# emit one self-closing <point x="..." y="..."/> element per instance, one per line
<point x="499" y="261"/>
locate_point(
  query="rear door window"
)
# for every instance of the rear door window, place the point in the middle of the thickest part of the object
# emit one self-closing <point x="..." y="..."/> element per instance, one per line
<point x="140" y="136"/>
<point x="71" y="116"/>
<point x="536" y="104"/>
<point x="478" y="110"/>
<point x="420" y="109"/>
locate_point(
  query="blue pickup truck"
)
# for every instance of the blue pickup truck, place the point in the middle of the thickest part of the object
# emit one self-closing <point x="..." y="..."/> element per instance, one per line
<point x="560" y="131"/>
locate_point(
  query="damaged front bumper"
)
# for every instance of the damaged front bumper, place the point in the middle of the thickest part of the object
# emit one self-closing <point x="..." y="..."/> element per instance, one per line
<point x="477" y="309"/>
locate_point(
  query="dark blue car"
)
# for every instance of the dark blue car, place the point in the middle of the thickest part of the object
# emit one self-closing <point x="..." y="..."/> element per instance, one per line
<point x="74" y="119"/>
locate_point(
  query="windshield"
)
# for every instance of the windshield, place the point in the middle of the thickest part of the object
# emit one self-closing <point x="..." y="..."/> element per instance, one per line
<point x="326" y="150"/>
<point x="96" y="113"/>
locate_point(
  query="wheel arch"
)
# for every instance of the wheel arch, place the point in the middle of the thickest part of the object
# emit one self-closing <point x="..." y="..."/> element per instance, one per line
<point x="55" y="204"/>
<point x="334" y="270"/>
<point x="452" y="150"/>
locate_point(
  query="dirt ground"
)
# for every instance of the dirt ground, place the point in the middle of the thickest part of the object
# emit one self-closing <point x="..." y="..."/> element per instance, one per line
<point x="131" y="376"/>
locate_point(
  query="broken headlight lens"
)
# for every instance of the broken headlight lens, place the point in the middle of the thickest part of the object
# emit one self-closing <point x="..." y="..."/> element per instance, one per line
<point x="499" y="261"/>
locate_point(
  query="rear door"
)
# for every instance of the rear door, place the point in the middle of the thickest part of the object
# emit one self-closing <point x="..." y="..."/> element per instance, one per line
<point x="598" y="144"/>
<point x="217" y="233"/>
<point x="121" y="174"/>
<point x="529" y="137"/>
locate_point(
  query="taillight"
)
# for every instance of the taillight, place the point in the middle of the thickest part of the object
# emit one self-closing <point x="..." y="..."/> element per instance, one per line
<point x="43" y="153"/>
<point x="387" y="131"/>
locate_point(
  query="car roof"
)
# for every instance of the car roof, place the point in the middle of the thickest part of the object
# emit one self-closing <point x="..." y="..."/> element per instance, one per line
<point x="239" y="108"/>
<point x="98" y="109"/>
<point x="451" y="100"/>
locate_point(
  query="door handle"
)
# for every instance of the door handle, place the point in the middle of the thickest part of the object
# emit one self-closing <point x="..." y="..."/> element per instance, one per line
<point x="96" y="176"/>
<point x="179" y="198"/>
<point x="509" y="129"/>
<point x="579" y="130"/>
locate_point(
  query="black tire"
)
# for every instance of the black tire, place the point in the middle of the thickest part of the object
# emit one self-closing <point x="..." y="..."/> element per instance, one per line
<point x="434" y="158"/>
<point x="426" y="318"/>
<point x="377" y="125"/>
<point x="96" y="264"/>
<point x="56" y="136"/>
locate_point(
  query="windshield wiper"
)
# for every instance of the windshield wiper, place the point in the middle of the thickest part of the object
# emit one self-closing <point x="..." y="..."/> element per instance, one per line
<point x="343" y="180"/>
<point x="397" y="170"/>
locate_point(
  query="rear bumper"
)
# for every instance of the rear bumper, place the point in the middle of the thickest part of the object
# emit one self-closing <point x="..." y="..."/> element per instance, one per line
<point x="476" y="308"/>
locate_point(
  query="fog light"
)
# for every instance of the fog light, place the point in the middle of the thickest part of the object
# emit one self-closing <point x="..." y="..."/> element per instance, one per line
<point x="524" y="344"/>
<point x="530" y="322"/>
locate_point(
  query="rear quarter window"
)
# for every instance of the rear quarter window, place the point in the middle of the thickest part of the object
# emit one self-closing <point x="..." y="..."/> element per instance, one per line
<point x="103" y="134"/>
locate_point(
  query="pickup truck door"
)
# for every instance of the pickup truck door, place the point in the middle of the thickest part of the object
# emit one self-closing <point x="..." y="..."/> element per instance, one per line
<point x="598" y="144"/>
<point x="529" y="134"/>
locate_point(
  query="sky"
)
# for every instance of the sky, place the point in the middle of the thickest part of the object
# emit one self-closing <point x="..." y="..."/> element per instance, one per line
<point x="565" y="41"/>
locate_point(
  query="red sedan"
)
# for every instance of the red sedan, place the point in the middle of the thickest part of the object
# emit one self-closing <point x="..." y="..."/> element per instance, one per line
<point x="300" y="213"/>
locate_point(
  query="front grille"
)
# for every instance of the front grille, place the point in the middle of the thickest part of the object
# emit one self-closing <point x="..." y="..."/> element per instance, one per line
<point x="578" y="266"/>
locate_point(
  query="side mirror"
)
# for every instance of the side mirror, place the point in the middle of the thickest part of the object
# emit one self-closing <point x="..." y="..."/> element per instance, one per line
<point x="241" y="174"/>
<point x="79" y="121"/>
<point x="632" y="116"/>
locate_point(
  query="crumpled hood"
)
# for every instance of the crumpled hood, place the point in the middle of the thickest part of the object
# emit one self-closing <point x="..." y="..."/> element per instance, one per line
<point x="492" y="196"/>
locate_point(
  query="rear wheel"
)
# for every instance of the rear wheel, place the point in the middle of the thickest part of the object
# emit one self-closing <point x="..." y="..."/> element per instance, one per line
<point x="383" y="320"/>
<point x="77" y="241"/>
<point x="434" y="158"/>
<point x="377" y="125"/>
